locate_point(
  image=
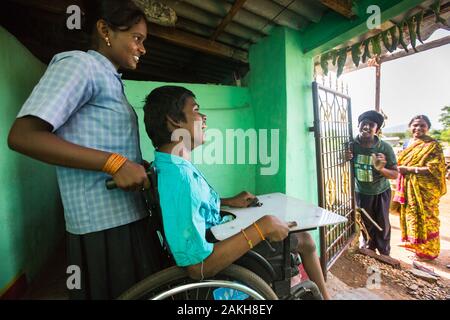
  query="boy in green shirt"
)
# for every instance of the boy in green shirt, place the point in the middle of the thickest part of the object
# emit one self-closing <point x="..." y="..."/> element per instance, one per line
<point x="374" y="163"/>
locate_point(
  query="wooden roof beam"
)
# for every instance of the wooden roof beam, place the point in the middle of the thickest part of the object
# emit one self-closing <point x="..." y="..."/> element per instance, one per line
<point x="343" y="7"/>
<point x="195" y="42"/>
<point x="57" y="7"/>
<point x="233" y="10"/>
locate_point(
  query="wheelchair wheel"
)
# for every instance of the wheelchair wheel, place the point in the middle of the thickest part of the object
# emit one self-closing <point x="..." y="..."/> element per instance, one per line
<point x="174" y="277"/>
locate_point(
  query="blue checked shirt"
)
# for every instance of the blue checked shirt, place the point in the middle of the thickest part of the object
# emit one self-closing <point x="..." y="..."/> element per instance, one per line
<point x="81" y="95"/>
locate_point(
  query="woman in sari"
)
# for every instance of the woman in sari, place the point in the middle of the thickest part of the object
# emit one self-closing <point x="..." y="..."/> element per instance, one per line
<point x="421" y="183"/>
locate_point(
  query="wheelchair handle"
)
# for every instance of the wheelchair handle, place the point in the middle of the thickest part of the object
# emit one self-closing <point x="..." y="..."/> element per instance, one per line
<point x="111" y="184"/>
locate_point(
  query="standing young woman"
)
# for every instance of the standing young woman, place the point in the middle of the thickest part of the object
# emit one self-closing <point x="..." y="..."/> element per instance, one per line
<point x="420" y="185"/>
<point x="78" y="118"/>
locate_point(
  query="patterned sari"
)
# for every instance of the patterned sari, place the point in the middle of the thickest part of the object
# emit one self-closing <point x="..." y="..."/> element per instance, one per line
<point x="419" y="196"/>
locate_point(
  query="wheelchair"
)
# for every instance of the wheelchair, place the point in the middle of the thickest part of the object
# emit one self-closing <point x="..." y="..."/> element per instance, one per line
<point x="263" y="273"/>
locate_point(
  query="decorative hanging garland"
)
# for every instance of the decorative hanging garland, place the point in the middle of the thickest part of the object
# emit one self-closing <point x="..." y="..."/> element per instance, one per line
<point x="372" y="46"/>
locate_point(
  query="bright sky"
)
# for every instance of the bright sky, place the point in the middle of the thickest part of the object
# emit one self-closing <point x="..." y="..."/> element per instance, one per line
<point x="417" y="84"/>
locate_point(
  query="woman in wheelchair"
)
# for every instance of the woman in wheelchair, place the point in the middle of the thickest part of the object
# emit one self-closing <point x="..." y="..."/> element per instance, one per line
<point x="190" y="205"/>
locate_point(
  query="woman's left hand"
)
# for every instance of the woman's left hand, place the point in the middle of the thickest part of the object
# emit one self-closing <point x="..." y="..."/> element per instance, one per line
<point x="403" y="169"/>
<point x="241" y="200"/>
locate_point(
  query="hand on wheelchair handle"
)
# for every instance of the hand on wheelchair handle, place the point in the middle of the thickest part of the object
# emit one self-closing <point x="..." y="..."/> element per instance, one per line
<point x="130" y="177"/>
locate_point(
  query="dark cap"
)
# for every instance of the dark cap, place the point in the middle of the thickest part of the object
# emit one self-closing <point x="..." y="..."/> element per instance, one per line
<point x="372" y="115"/>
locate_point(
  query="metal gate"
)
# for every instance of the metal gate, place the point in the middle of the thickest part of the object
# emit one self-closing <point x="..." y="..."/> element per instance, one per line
<point x="333" y="132"/>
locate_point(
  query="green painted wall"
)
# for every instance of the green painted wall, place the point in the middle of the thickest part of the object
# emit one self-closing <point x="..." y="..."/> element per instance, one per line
<point x="301" y="179"/>
<point x="31" y="218"/>
<point x="280" y="86"/>
<point x="267" y="83"/>
<point x="227" y="108"/>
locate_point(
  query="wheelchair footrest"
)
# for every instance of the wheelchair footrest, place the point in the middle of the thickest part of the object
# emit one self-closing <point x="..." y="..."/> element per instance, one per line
<point x="306" y="290"/>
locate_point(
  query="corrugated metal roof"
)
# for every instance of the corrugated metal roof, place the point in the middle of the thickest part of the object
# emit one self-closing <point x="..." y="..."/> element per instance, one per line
<point x="251" y="23"/>
<point x="167" y="59"/>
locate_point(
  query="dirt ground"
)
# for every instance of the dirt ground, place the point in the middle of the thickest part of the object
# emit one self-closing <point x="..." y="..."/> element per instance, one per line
<point x="350" y="272"/>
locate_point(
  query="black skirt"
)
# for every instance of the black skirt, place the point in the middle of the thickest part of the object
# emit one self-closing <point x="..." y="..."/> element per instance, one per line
<point x="113" y="260"/>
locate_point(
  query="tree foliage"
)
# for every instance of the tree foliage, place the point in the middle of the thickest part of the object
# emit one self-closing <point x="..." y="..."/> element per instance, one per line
<point x="445" y="117"/>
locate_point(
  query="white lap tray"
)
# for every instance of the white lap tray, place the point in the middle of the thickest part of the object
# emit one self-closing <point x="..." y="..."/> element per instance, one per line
<point x="286" y="208"/>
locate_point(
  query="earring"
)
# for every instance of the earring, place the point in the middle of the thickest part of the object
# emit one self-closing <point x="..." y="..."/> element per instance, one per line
<point x="107" y="42"/>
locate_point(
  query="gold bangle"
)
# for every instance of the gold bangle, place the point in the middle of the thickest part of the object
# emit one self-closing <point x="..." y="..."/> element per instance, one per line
<point x="259" y="231"/>
<point x="250" y="244"/>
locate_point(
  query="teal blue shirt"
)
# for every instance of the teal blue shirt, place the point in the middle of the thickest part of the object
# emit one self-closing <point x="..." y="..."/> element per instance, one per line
<point x="189" y="207"/>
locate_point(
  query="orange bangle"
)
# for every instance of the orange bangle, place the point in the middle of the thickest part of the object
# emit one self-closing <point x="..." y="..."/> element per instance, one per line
<point x="109" y="163"/>
<point x="259" y="231"/>
<point x="118" y="162"/>
<point x="114" y="163"/>
<point x="250" y="244"/>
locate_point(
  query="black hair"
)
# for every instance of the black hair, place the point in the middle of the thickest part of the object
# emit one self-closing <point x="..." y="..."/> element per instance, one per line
<point x="119" y="15"/>
<point x="163" y="102"/>
<point x="422" y="117"/>
<point x="373" y="116"/>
